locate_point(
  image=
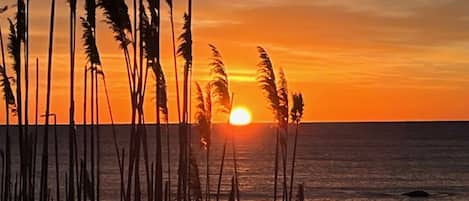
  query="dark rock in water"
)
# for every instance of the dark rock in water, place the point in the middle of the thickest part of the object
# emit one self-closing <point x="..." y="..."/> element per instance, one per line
<point x="416" y="194"/>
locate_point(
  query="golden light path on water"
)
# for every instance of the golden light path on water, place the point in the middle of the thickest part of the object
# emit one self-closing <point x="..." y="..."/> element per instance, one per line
<point x="240" y="116"/>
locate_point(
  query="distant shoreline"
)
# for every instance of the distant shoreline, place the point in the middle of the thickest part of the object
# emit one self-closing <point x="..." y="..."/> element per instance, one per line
<point x="310" y="122"/>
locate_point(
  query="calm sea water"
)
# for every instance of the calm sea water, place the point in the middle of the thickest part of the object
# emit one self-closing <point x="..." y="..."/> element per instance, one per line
<point x="335" y="161"/>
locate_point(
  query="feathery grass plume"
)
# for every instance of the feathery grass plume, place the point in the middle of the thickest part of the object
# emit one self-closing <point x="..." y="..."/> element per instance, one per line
<point x="89" y="41"/>
<point x="117" y="17"/>
<point x="9" y="103"/>
<point x="219" y="83"/>
<point x="296" y="114"/>
<point x="90" y="8"/>
<point x="6" y="86"/>
<point x="219" y="91"/>
<point x="147" y="37"/>
<point x="14" y="47"/>
<point x="266" y="80"/>
<point x="185" y="51"/>
<point x="185" y="48"/>
<point x="282" y="91"/>
<point x="92" y="55"/>
<point x="297" y="108"/>
<point x="162" y="95"/>
<point x="202" y="116"/>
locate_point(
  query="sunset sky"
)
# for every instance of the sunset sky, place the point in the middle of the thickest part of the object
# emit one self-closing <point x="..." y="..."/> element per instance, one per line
<point x="360" y="60"/>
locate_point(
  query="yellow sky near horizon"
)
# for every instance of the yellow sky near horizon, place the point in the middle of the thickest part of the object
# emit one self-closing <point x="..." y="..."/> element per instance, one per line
<point x="362" y="60"/>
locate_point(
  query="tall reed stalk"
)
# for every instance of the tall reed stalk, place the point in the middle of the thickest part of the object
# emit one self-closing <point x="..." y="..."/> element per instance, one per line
<point x="9" y="104"/>
<point x="43" y="192"/>
<point x="219" y="92"/>
<point x="267" y="82"/>
<point x="296" y="115"/>
<point x="131" y="39"/>
<point x="173" y="40"/>
<point x="203" y="116"/>
<point x="283" y="116"/>
<point x="36" y="129"/>
<point x="72" y="132"/>
<point x="56" y="153"/>
<point x="185" y="51"/>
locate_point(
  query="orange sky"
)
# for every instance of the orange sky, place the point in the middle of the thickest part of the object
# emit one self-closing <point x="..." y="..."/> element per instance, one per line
<point x="362" y="60"/>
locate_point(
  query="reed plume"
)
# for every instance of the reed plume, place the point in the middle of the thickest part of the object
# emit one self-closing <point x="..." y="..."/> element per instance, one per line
<point x="92" y="54"/>
<point x="117" y="17"/>
<point x="202" y="116"/>
<point x="219" y="81"/>
<point x="266" y="80"/>
<point x="89" y="42"/>
<point x="7" y="91"/>
<point x="185" y="48"/>
<point x="283" y="99"/>
<point x="296" y="115"/>
<point x="5" y="79"/>
<point x="14" y="50"/>
<point x="9" y="99"/>
<point x="185" y="51"/>
<point x="282" y="92"/>
<point x="219" y="86"/>
<point x="9" y="105"/>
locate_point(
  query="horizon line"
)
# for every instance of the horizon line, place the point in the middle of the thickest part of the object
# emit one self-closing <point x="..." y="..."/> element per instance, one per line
<point x="269" y="122"/>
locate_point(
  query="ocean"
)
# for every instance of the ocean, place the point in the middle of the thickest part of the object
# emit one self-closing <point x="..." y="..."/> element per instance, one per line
<point x="335" y="161"/>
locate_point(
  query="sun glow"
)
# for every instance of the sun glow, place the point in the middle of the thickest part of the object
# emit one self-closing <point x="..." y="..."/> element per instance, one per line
<point x="240" y="116"/>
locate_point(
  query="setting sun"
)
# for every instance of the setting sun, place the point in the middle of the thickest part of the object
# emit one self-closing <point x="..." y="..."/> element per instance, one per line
<point x="240" y="116"/>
